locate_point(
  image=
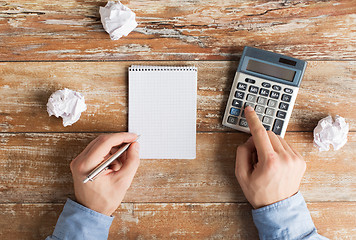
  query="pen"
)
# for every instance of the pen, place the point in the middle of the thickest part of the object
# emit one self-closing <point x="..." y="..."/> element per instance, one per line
<point x="105" y="165"/>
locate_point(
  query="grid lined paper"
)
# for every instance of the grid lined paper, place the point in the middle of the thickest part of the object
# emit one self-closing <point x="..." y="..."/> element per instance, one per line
<point x="162" y="109"/>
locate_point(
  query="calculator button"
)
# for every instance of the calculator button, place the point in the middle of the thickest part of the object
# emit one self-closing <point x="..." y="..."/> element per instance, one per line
<point x="239" y="95"/>
<point x="266" y="85"/>
<point x="281" y="114"/>
<point x="286" y="97"/>
<point x="288" y="90"/>
<point x="276" y="87"/>
<point x="241" y="86"/>
<point x="243" y="114"/>
<point x="264" y="92"/>
<point x="283" y="106"/>
<point x="259" y="109"/>
<point x="249" y="80"/>
<point x="274" y="95"/>
<point x="269" y="111"/>
<point x="262" y="100"/>
<point x="243" y="123"/>
<point x="260" y="117"/>
<point x="235" y="111"/>
<point x="267" y="127"/>
<point x="277" y="127"/>
<point x="251" y="98"/>
<point x="253" y="89"/>
<point x="232" y="120"/>
<point x="249" y="104"/>
<point x="272" y="103"/>
<point x="267" y="120"/>
<point x="237" y="103"/>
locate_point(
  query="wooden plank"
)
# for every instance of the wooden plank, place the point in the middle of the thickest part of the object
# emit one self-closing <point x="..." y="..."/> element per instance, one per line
<point x="170" y="30"/>
<point x="329" y="87"/>
<point x="35" y="168"/>
<point x="174" y="221"/>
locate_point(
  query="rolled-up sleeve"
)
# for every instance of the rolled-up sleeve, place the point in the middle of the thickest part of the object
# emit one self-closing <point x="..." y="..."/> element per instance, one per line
<point x="78" y="222"/>
<point x="287" y="219"/>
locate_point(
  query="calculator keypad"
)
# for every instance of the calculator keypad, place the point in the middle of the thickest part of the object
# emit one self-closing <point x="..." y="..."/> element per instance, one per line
<point x="253" y="89"/>
<point x="264" y="92"/>
<point x="239" y="95"/>
<point x="232" y="120"/>
<point x="235" y="111"/>
<point x="274" y="95"/>
<point x="237" y="103"/>
<point x="251" y="98"/>
<point x="266" y="85"/>
<point x="276" y="87"/>
<point x="277" y="127"/>
<point x="270" y="101"/>
<point x="242" y="86"/>
<point x="243" y="123"/>
<point x="281" y="114"/>
<point x="262" y="100"/>
<point x="286" y="97"/>
<point x="283" y="106"/>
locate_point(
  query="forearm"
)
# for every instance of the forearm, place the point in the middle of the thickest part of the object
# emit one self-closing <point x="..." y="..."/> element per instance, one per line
<point x="286" y="219"/>
<point x="78" y="222"/>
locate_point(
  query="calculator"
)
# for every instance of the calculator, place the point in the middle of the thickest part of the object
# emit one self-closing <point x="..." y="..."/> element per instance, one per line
<point x="268" y="82"/>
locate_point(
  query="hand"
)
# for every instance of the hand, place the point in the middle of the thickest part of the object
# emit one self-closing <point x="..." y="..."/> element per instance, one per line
<point x="106" y="192"/>
<point x="267" y="168"/>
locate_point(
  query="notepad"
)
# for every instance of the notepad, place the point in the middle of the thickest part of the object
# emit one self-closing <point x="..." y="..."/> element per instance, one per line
<point x="162" y="109"/>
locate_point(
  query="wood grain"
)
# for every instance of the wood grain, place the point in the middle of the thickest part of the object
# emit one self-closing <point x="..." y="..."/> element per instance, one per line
<point x="171" y="30"/>
<point x="329" y="87"/>
<point x="174" y="221"/>
<point x="35" y="168"/>
<point x="49" y="45"/>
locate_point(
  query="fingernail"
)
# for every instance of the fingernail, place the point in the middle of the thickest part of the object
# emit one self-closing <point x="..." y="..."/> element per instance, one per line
<point x="249" y="109"/>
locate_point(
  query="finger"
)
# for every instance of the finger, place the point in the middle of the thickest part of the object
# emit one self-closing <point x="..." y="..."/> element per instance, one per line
<point x="102" y="174"/>
<point x="114" y="150"/>
<point x="122" y="158"/>
<point x="254" y="159"/>
<point x="276" y="143"/>
<point x="288" y="147"/>
<point x="131" y="163"/>
<point x="104" y="144"/>
<point x="259" y="133"/>
<point x="116" y="165"/>
<point x="244" y="159"/>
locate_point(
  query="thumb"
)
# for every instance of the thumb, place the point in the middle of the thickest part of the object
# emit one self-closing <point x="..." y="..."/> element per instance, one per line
<point x="243" y="166"/>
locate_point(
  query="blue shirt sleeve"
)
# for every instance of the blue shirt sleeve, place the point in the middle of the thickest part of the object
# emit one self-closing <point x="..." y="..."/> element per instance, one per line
<point x="78" y="222"/>
<point x="286" y="219"/>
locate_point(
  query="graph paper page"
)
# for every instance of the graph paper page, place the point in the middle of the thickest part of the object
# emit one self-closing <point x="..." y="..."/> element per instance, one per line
<point x="162" y="109"/>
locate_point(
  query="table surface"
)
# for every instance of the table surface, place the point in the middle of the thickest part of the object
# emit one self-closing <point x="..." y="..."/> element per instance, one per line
<point x="49" y="45"/>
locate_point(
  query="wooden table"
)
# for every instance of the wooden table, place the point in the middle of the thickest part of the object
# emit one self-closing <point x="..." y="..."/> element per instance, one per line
<point x="49" y="45"/>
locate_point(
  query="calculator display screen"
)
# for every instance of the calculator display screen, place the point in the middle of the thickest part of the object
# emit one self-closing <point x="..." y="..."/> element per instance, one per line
<point x="270" y="70"/>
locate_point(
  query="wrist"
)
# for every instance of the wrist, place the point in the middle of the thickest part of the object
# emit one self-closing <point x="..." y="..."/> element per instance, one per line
<point x="272" y="201"/>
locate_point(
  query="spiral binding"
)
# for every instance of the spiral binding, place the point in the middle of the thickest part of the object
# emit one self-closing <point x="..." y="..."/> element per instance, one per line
<point x="162" y="68"/>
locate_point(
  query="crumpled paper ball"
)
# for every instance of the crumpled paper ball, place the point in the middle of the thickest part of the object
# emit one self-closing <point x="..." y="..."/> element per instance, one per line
<point x="67" y="104"/>
<point x="117" y="19"/>
<point x="331" y="132"/>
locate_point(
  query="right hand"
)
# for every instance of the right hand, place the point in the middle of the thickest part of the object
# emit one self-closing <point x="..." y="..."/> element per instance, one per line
<point x="267" y="168"/>
<point x="106" y="192"/>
